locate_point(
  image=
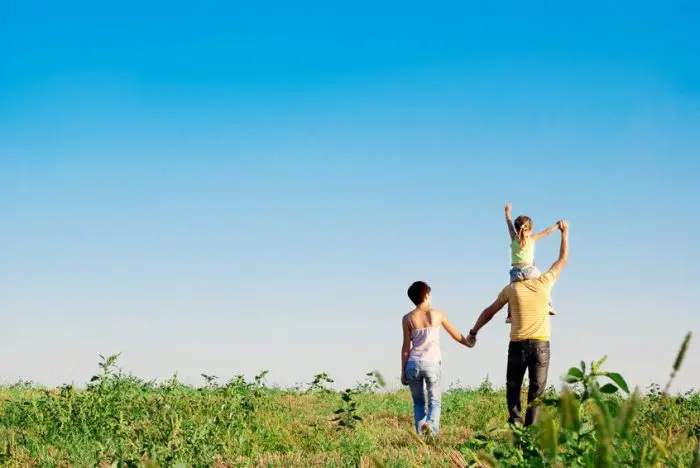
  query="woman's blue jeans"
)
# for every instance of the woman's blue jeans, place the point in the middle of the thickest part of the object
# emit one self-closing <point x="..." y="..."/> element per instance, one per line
<point x="425" y="376"/>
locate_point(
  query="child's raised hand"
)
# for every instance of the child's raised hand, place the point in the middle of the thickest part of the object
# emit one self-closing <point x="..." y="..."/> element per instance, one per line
<point x="509" y="208"/>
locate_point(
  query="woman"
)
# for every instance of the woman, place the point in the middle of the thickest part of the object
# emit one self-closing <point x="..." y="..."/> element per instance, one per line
<point x="421" y="357"/>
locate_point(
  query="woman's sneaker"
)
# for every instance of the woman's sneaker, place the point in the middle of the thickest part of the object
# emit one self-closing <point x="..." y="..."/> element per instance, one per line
<point x="424" y="428"/>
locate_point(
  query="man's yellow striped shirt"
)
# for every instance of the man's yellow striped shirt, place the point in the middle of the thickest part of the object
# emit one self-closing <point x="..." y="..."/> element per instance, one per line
<point x="529" y="307"/>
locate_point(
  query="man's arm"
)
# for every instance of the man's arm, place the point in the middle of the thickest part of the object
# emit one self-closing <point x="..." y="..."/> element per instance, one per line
<point x="405" y="349"/>
<point x="509" y="221"/>
<point x="546" y="232"/>
<point x="487" y="315"/>
<point x="557" y="266"/>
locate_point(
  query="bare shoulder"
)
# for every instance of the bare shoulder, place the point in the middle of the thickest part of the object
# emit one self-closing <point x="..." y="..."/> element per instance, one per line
<point x="438" y="315"/>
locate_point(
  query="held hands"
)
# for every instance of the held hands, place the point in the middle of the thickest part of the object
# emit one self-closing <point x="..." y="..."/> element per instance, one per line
<point x="563" y="226"/>
<point x="469" y="340"/>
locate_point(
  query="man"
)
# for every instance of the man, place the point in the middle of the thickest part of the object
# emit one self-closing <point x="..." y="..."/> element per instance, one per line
<point x="529" y="332"/>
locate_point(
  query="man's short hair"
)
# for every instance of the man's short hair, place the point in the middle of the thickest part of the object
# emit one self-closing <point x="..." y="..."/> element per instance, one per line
<point x="418" y="291"/>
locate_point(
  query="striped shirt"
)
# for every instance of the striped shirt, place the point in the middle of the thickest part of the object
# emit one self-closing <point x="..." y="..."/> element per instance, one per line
<point x="529" y="307"/>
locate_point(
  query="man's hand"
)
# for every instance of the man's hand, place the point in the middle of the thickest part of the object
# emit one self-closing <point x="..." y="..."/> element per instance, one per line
<point x="470" y="341"/>
<point x="509" y="209"/>
<point x="404" y="380"/>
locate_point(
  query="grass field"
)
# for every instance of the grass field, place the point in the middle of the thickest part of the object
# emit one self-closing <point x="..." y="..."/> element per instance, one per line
<point x="120" y="420"/>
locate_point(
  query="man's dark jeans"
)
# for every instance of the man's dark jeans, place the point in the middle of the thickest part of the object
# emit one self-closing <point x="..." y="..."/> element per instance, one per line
<point x="532" y="355"/>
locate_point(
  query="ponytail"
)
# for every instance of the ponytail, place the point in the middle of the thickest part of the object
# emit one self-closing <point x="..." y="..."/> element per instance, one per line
<point x="523" y="225"/>
<point x="522" y="236"/>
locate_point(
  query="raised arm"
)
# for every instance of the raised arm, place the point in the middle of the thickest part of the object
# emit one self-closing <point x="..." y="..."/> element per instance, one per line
<point x="509" y="221"/>
<point x="563" y="249"/>
<point x="405" y="349"/>
<point x="546" y="232"/>
<point x="452" y="331"/>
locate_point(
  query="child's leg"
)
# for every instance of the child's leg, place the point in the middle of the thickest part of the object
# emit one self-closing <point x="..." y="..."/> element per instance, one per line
<point x="551" y="307"/>
<point x="513" y="277"/>
<point x="415" y="383"/>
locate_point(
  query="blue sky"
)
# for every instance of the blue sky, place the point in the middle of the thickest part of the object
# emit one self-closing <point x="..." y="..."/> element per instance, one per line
<point x="232" y="187"/>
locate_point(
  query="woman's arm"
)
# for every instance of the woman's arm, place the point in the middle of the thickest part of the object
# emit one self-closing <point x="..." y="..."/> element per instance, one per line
<point x="509" y="221"/>
<point x="452" y="331"/>
<point x="405" y="349"/>
<point x="546" y="232"/>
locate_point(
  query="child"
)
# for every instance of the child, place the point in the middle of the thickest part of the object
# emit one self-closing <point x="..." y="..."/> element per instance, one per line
<point x="421" y="358"/>
<point x="522" y="249"/>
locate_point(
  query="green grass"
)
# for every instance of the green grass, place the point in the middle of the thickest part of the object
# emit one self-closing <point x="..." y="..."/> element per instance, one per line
<point x="120" y="420"/>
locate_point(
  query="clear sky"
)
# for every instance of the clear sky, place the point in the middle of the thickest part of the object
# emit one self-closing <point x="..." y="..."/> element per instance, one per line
<point x="230" y="187"/>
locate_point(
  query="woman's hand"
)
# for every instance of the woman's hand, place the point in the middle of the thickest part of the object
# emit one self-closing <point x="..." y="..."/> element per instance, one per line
<point x="404" y="380"/>
<point x="509" y="209"/>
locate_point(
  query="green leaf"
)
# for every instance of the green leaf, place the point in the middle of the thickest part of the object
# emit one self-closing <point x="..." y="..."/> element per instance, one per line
<point x="357" y="418"/>
<point x="570" y="378"/>
<point x="339" y="411"/>
<point x="573" y="375"/>
<point x="618" y="379"/>
<point x="583" y="366"/>
<point x="608" y="388"/>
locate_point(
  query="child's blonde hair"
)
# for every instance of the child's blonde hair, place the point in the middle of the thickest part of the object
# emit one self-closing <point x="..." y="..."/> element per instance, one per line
<point x="523" y="224"/>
